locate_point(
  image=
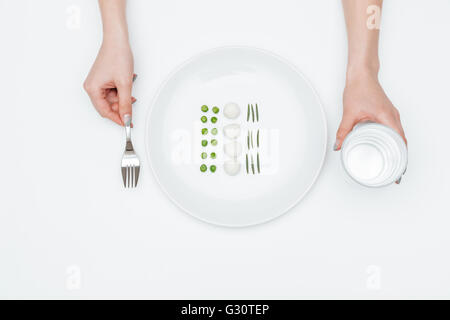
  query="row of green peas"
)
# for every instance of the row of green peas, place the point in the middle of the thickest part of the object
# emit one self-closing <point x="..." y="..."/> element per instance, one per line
<point x="214" y="142"/>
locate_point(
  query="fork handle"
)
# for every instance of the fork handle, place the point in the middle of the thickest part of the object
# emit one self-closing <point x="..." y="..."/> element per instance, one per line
<point x="127" y="122"/>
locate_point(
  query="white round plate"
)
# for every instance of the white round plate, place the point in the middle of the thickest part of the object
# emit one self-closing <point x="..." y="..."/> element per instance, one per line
<point x="292" y="129"/>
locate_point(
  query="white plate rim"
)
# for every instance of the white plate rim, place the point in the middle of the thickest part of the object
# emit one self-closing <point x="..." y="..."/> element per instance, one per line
<point x="207" y="52"/>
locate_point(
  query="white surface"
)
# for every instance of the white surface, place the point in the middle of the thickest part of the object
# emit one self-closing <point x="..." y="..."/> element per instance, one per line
<point x="291" y="131"/>
<point x="68" y="228"/>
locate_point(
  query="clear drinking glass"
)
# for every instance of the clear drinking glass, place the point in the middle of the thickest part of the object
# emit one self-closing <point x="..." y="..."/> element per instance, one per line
<point x="374" y="155"/>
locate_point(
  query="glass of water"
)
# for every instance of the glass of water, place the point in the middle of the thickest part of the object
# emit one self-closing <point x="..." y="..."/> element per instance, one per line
<point x="374" y="155"/>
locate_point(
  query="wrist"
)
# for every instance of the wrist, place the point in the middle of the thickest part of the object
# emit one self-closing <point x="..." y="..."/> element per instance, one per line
<point x="115" y="42"/>
<point x="118" y="39"/>
<point x="357" y="72"/>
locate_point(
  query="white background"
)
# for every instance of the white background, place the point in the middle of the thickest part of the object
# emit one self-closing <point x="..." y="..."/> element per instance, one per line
<point x="68" y="229"/>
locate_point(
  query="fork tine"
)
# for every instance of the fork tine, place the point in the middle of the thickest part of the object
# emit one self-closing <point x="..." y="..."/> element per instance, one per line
<point x="128" y="176"/>
<point x="132" y="177"/>
<point x="136" y="177"/>
<point x="124" y="176"/>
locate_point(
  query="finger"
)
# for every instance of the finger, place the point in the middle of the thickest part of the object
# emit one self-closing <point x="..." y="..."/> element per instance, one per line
<point x="133" y="100"/>
<point x="124" y="92"/>
<point x="399" y="129"/>
<point x="111" y="115"/>
<point x="394" y="124"/>
<point x="115" y="107"/>
<point x="345" y="127"/>
<point x="111" y="95"/>
<point x="103" y="107"/>
<point x="402" y="133"/>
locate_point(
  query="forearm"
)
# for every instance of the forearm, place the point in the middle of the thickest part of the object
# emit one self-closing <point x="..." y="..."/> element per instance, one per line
<point x="361" y="17"/>
<point x="114" y="20"/>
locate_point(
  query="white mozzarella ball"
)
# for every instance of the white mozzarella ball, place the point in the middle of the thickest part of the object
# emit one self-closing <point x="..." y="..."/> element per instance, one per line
<point x="232" y="131"/>
<point x="232" y="167"/>
<point x="233" y="149"/>
<point x="231" y="110"/>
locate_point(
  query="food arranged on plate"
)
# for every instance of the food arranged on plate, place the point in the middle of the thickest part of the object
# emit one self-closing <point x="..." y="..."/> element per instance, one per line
<point x="204" y="142"/>
<point x="232" y="131"/>
<point x="232" y="167"/>
<point x="253" y="141"/>
<point x="253" y="112"/>
<point x="231" y="110"/>
<point x="232" y="147"/>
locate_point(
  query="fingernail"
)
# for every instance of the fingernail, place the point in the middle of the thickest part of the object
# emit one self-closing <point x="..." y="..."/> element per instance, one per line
<point x="335" y="147"/>
<point x="127" y="119"/>
<point x="134" y="77"/>
<point x="133" y="100"/>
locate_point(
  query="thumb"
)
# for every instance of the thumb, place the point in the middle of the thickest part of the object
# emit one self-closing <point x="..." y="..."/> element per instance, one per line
<point x="345" y="127"/>
<point x="124" y="93"/>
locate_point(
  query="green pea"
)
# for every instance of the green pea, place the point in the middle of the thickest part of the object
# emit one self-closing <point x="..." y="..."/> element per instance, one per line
<point x="213" y="119"/>
<point x="204" y="131"/>
<point x="204" y="108"/>
<point x="214" y="142"/>
<point x="213" y="155"/>
<point x="204" y="143"/>
<point x="215" y="110"/>
<point x="214" y="131"/>
<point x="204" y="119"/>
<point x="204" y="155"/>
<point x="203" y="168"/>
<point x="212" y="168"/>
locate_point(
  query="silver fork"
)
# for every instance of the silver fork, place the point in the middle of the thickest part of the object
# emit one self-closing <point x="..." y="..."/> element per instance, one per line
<point x="130" y="161"/>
